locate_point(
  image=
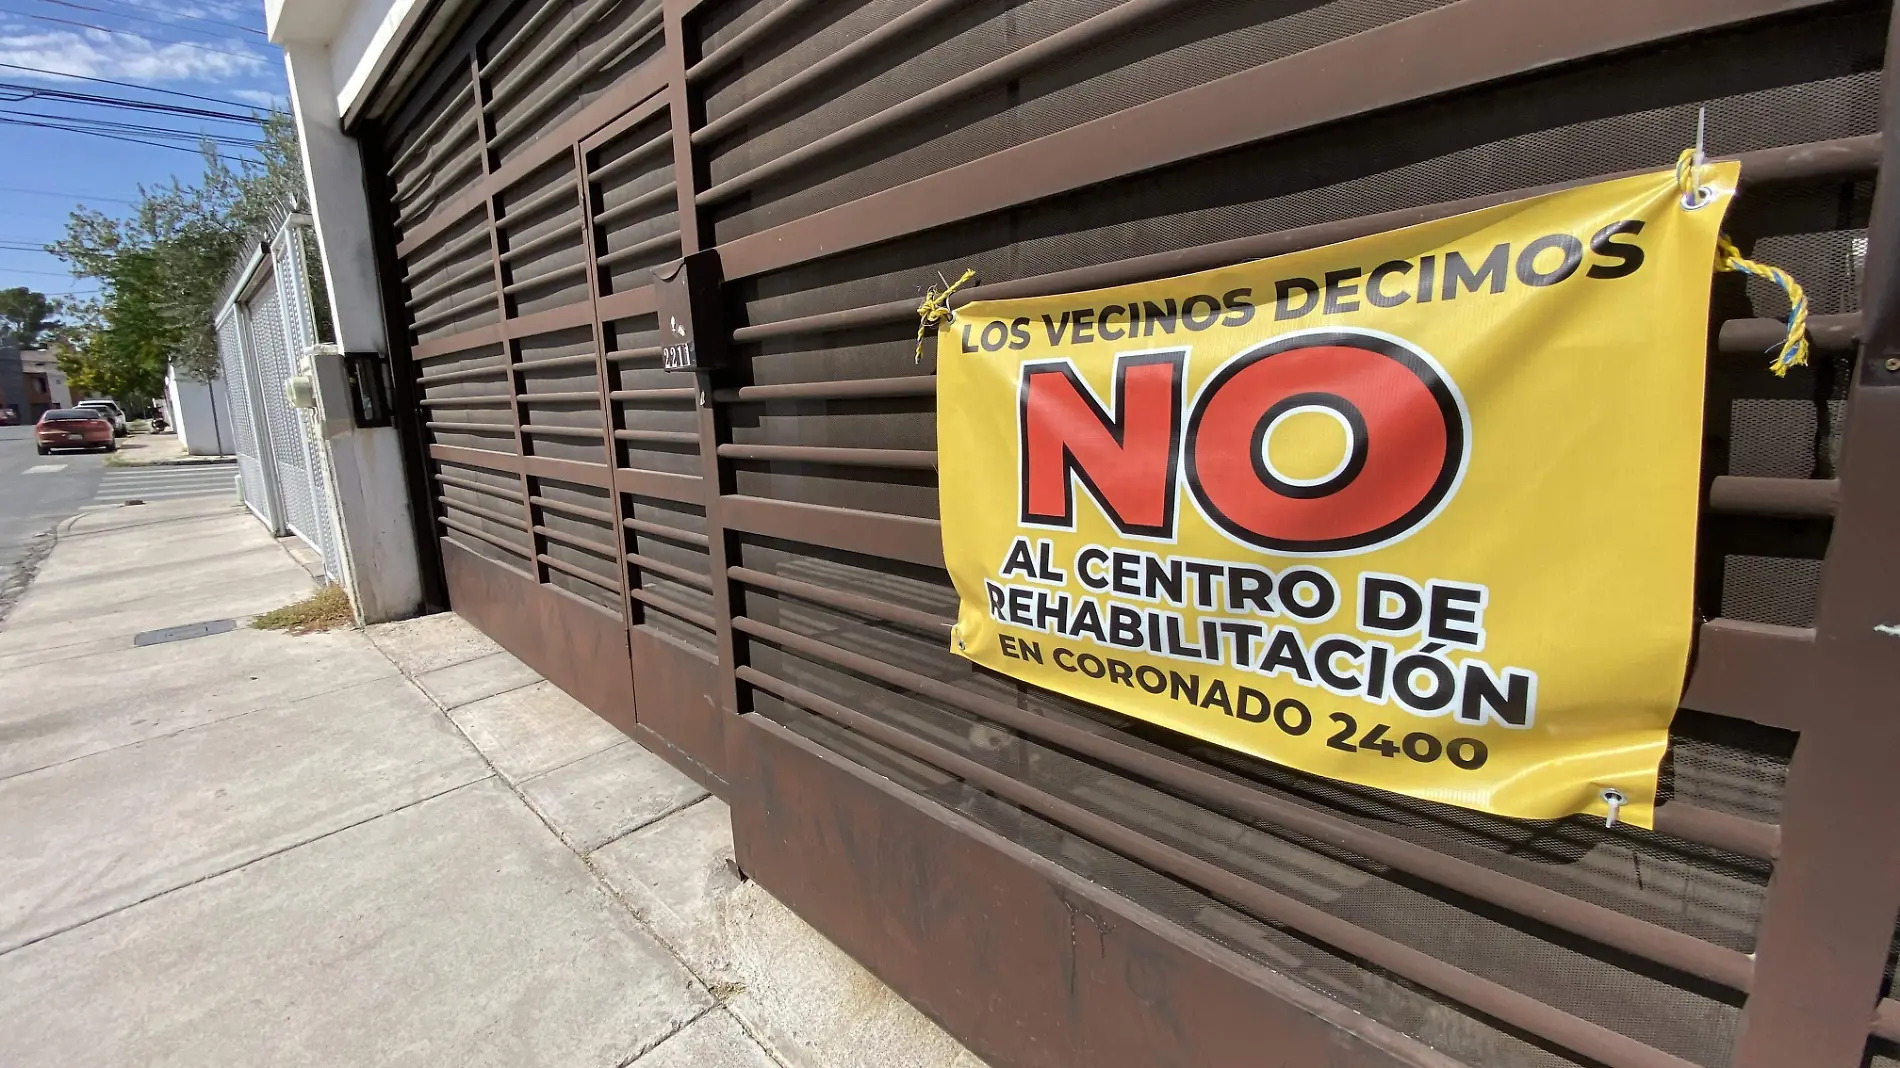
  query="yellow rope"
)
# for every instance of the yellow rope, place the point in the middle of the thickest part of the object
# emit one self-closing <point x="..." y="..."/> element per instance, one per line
<point x="1794" y="347"/>
<point x="936" y="308"/>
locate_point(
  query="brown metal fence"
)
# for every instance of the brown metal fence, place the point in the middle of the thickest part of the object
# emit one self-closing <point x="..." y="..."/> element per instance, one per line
<point x="743" y="569"/>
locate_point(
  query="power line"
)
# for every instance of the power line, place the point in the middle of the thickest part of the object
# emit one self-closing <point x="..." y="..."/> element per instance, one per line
<point x="58" y="193"/>
<point x="132" y="127"/>
<point x="157" y="22"/>
<point x="13" y="93"/>
<point x="138" y="36"/>
<point x="47" y="274"/>
<point x="125" y="85"/>
<point x="182" y="15"/>
<point x="120" y="137"/>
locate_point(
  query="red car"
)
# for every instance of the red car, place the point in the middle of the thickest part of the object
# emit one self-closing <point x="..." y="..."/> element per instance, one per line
<point x="74" y="428"/>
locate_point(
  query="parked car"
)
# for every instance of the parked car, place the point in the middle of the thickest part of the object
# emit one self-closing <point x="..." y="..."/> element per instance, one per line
<point x="114" y="414"/>
<point x="75" y="428"/>
<point x="8" y="417"/>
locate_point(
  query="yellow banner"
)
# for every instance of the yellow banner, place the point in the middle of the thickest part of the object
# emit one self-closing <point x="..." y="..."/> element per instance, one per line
<point x="1415" y="511"/>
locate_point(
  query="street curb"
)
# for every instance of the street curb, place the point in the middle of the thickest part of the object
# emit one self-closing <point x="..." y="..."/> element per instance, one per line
<point x="223" y="462"/>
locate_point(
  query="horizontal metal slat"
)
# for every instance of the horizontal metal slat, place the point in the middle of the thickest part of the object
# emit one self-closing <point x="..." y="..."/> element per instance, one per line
<point x="935" y="626"/>
<point x="578" y="572"/>
<point x="1761" y="337"/>
<point x="486" y="459"/>
<point x="1693" y="823"/>
<point x="578" y="472"/>
<point x="1124" y="18"/>
<point x="903" y="459"/>
<point x="681" y="575"/>
<point x="553" y="237"/>
<point x="752" y="255"/>
<point x="426" y="136"/>
<point x="486" y="513"/>
<point x="475" y="338"/>
<point x="724" y="55"/>
<point x="857" y="389"/>
<point x="472" y="428"/>
<point x="672" y="608"/>
<point x="670" y="393"/>
<point x="552" y="362"/>
<point x="666" y="194"/>
<point x="606" y="552"/>
<point x="664" y="437"/>
<point x="1753" y="671"/>
<point x="506" y="88"/>
<point x="544" y="431"/>
<point x="894" y="537"/>
<point x="559" y="274"/>
<point x="802" y="83"/>
<point x="630" y="37"/>
<point x="1489" y="997"/>
<point x="449" y="250"/>
<point x="626" y="303"/>
<point x="476" y="401"/>
<point x="640" y="248"/>
<point x="576" y="510"/>
<point x="563" y="189"/>
<point x="687" y="489"/>
<point x="1798" y="497"/>
<point x="480" y="487"/>
<point x="661" y="530"/>
<point x="1607" y="926"/>
<point x="482" y="535"/>
<point x="630" y="157"/>
<point x="1458" y="46"/>
<point x="626" y="91"/>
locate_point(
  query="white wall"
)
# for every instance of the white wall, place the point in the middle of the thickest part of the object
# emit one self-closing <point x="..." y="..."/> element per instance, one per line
<point x="201" y="414"/>
<point x="381" y="565"/>
<point x="358" y="37"/>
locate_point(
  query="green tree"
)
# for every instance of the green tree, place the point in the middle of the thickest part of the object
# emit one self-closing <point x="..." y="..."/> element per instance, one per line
<point x="24" y="316"/>
<point x="162" y="266"/>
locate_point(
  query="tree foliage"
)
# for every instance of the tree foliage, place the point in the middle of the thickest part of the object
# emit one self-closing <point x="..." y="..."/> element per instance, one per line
<point x="161" y="268"/>
<point x="24" y="316"/>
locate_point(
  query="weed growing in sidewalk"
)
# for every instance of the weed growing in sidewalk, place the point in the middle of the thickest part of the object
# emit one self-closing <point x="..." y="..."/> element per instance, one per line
<point x="327" y="609"/>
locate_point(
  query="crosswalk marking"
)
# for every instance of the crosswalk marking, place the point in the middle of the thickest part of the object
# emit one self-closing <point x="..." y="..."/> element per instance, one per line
<point x="167" y="483"/>
<point x="45" y="469"/>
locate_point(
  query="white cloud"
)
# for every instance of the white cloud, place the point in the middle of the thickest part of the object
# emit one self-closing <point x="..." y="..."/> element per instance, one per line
<point x="263" y="98"/>
<point x="93" y="54"/>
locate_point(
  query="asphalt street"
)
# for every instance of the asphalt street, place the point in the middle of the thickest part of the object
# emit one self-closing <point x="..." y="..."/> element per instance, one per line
<point x="35" y="493"/>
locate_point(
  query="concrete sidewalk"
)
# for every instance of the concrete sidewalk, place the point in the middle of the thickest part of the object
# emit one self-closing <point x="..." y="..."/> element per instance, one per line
<point x="392" y="847"/>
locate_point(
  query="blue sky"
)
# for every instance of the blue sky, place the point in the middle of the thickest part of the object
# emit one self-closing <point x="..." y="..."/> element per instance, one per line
<point x="209" y="48"/>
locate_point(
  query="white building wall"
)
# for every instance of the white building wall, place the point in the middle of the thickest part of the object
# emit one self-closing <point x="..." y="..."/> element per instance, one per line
<point x="201" y="414"/>
<point x="334" y="49"/>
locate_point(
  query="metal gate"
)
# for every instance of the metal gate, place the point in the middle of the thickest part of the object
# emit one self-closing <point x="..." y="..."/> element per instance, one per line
<point x="744" y="570"/>
<point x="266" y="325"/>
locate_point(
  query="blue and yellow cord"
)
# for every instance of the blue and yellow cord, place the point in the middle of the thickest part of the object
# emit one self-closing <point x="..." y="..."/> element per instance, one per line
<point x="1794" y="347"/>
<point x="936" y="308"/>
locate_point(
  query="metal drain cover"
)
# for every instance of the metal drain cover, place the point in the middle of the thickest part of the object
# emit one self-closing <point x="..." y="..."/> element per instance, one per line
<point x="179" y="634"/>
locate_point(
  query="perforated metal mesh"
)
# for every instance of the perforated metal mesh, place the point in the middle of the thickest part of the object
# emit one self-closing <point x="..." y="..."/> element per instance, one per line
<point x="250" y="454"/>
<point x="264" y="319"/>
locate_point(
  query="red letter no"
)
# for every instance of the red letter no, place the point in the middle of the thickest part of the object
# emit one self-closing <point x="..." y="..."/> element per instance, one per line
<point x="1126" y="461"/>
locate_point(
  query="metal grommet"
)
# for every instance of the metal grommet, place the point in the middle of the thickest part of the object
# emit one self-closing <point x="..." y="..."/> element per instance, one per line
<point x="1702" y="195"/>
<point x="1893" y="363"/>
<point x="1615" y="799"/>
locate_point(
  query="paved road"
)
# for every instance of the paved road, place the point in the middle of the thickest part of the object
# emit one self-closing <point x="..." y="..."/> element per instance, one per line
<point x="31" y="503"/>
<point x="36" y="492"/>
